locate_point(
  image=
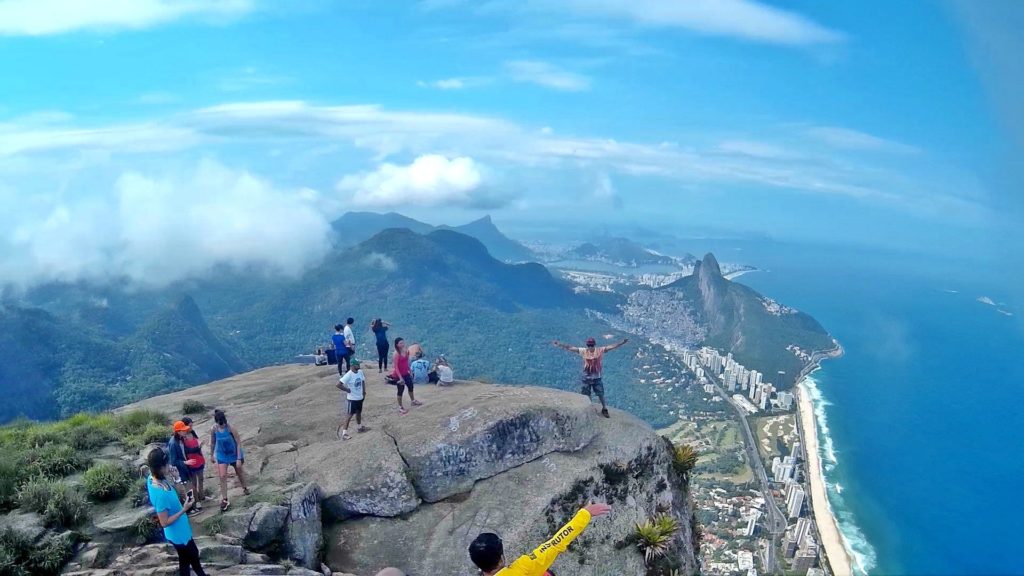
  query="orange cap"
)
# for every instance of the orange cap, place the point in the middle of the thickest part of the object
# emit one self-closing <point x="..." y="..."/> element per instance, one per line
<point x="180" y="426"/>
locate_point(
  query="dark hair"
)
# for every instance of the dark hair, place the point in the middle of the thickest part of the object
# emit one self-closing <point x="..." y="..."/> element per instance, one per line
<point x="338" y="326"/>
<point x="186" y="420"/>
<point x="157" y="460"/>
<point x="350" y="320"/>
<point x="486" y="551"/>
<point x="220" y="418"/>
<point x="397" y="340"/>
<point x="377" y="323"/>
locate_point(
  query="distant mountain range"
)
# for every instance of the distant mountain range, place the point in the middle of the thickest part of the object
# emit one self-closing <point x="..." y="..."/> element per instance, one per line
<point x="355" y="227"/>
<point x="65" y="348"/>
<point x="623" y="252"/>
<point x="71" y="347"/>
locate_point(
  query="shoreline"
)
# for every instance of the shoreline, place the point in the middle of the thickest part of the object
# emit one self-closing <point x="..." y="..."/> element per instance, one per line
<point x="831" y="539"/>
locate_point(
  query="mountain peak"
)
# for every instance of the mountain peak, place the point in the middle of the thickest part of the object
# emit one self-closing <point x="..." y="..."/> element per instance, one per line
<point x="709" y="266"/>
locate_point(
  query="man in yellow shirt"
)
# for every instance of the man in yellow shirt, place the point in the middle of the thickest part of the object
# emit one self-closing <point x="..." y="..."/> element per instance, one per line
<point x="488" y="553"/>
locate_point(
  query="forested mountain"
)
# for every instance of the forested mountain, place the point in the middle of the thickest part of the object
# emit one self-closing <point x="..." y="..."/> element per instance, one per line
<point x="622" y="251"/>
<point x="355" y="227"/>
<point x="76" y="347"/>
<point x="755" y="329"/>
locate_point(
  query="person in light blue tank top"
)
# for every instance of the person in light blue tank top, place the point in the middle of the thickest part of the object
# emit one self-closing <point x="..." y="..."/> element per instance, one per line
<point x="172" y="515"/>
<point x="226" y="450"/>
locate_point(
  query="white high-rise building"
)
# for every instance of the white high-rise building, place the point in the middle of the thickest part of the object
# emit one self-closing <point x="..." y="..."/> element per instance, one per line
<point x="796" y="451"/>
<point x="785" y="400"/>
<point x="776" y="466"/>
<point x="802" y="530"/>
<point x="751" y="526"/>
<point x="795" y="502"/>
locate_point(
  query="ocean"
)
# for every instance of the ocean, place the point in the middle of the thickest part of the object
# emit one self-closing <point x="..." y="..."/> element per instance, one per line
<point x="917" y="419"/>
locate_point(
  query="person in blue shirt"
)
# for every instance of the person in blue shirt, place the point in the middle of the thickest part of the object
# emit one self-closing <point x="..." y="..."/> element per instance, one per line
<point x="340" y="348"/>
<point x="171" y="514"/>
<point x="380" y="330"/>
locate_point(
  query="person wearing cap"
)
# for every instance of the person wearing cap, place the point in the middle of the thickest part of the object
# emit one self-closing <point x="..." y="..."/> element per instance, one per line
<point x="592" y="355"/>
<point x="178" y="456"/>
<point x="354" y="384"/>
<point x="488" y="552"/>
<point x="195" y="461"/>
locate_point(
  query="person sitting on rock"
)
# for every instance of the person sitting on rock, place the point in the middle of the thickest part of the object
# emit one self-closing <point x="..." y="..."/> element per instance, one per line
<point x="488" y="552"/>
<point x="354" y="384"/>
<point x="443" y="370"/>
<point x="592" y="356"/>
<point x="420" y="368"/>
<point x="320" y="358"/>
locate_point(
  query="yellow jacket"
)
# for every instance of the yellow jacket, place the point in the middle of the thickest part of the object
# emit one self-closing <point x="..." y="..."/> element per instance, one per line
<point x="538" y="561"/>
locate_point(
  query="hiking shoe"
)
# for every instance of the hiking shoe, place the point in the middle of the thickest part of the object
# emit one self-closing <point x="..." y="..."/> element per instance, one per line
<point x="604" y="412"/>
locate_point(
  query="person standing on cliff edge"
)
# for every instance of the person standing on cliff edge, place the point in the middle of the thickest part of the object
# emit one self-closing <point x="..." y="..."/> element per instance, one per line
<point x="592" y="355"/>
<point x="488" y="552"/>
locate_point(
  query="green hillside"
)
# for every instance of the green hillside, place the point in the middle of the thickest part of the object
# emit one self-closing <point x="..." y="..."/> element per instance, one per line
<point x="739" y="321"/>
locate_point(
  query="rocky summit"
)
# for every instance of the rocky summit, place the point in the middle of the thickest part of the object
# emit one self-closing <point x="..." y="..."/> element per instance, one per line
<point x="414" y="490"/>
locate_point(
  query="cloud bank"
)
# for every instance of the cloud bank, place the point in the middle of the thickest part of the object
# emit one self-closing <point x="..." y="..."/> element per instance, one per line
<point x="430" y="180"/>
<point x="46" y="17"/>
<point x="157" y="229"/>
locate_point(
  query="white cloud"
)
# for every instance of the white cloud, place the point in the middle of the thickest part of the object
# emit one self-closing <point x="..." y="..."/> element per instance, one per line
<point x="745" y="19"/>
<point x="430" y="180"/>
<point x="789" y="161"/>
<point x="157" y="229"/>
<point x="44" y="17"/>
<point x="546" y="74"/>
<point x="846" y="139"/>
<point x="445" y="84"/>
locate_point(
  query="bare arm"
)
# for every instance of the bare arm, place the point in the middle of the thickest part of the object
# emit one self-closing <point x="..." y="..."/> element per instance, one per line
<point x="213" y="446"/>
<point x="618" y="345"/>
<point x="564" y="346"/>
<point x="238" y="442"/>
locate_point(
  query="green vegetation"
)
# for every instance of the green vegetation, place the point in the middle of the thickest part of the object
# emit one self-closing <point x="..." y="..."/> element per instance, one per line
<point x="61" y="505"/>
<point x="684" y="458"/>
<point x="19" y="556"/>
<point x="31" y="454"/>
<point x="106" y="481"/>
<point x="654" y="536"/>
<point x="146" y="530"/>
<point x="191" y="406"/>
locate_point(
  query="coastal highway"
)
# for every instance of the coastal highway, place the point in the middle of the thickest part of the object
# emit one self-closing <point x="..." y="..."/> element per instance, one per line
<point x="776" y="520"/>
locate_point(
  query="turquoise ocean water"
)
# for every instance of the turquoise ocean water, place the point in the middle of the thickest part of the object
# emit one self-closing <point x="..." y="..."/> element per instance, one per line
<point x="920" y="420"/>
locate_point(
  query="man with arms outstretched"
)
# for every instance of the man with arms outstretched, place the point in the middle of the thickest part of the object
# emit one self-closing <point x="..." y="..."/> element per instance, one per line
<point x="592" y="355"/>
<point x="488" y="553"/>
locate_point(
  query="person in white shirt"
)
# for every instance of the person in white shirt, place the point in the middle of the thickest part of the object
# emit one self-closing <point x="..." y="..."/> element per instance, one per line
<point x="350" y="343"/>
<point x="444" y="371"/>
<point x="354" y="384"/>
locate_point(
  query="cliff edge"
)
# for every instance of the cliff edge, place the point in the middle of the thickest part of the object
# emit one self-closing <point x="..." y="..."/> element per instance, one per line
<point x="416" y="489"/>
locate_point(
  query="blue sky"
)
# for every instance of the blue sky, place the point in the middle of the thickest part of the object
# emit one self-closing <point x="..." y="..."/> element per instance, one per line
<point x="237" y="130"/>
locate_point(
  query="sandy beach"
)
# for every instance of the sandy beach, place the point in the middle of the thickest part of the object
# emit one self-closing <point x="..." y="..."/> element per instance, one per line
<point x="831" y="539"/>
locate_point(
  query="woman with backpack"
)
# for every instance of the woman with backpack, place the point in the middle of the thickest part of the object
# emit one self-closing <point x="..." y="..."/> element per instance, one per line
<point x="226" y="450"/>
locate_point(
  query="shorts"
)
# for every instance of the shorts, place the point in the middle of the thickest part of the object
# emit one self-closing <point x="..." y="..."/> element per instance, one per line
<point x="593" y="384"/>
<point x="196" y="471"/>
<point x="355" y="407"/>
<point x="406" y="383"/>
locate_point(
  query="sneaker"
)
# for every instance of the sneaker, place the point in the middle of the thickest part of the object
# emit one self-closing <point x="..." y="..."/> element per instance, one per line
<point x="346" y="436"/>
<point x="417" y="403"/>
<point x="604" y="412"/>
<point x="402" y="411"/>
<point x="362" y="429"/>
